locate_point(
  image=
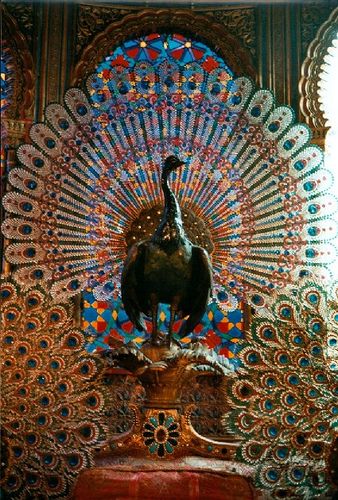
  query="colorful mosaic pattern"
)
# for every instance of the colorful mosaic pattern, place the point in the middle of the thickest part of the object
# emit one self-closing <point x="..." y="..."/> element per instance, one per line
<point x="6" y="79"/>
<point x="106" y="324"/>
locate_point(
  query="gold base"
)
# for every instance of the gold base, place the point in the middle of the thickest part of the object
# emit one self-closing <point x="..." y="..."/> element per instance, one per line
<point x="162" y="428"/>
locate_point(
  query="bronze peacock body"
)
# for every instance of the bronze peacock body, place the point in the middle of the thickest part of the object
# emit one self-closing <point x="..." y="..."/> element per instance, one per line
<point x="167" y="269"/>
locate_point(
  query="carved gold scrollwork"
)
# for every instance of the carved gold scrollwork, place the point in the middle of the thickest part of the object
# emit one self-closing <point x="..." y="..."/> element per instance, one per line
<point x="19" y="112"/>
<point x="240" y="22"/>
<point x="310" y="103"/>
<point x="22" y="101"/>
<point x="203" y="27"/>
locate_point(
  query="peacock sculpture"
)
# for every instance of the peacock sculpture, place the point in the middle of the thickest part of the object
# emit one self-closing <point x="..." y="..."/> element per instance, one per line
<point x="88" y="188"/>
<point x="92" y="171"/>
<point x="167" y="269"/>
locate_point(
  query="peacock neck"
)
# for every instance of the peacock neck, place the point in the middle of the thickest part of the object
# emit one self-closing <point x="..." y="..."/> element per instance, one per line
<point x="170" y="229"/>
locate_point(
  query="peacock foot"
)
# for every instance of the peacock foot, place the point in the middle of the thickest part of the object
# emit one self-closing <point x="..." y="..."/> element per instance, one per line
<point x="158" y="338"/>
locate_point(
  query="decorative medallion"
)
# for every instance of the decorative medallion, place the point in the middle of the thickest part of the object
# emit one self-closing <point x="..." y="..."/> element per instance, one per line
<point x="161" y="433"/>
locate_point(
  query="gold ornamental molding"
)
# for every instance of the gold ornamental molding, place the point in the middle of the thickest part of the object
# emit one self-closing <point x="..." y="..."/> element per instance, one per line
<point x="189" y="23"/>
<point x="16" y="130"/>
<point x="22" y="99"/>
<point x="310" y="103"/>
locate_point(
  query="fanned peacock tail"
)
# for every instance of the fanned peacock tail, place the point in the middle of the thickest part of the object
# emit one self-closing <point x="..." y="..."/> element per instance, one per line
<point x="93" y="169"/>
<point x="285" y="398"/>
<point x="51" y="396"/>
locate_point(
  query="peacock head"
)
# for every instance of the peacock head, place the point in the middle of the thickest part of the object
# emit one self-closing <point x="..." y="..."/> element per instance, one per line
<point x="170" y="164"/>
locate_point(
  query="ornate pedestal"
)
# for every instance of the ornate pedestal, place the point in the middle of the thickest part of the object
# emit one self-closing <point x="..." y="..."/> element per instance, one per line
<point x="162" y="455"/>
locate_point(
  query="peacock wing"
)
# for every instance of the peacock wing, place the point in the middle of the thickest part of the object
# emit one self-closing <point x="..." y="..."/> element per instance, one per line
<point x="199" y="290"/>
<point x="134" y="262"/>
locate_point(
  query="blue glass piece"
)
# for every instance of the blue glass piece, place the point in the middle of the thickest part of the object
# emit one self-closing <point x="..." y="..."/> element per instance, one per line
<point x="268" y="404"/>
<point x="299" y="165"/>
<point x="273" y="127"/>
<point x="304" y="362"/>
<point x="54" y="317"/>
<point x="317" y="448"/>
<point x="284" y="359"/>
<point x="84" y="369"/>
<point x="61" y="437"/>
<point x="313" y="209"/>
<point x="253" y="357"/>
<point x="81" y="109"/>
<point x="64" y="412"/>
<point x="32" y="184"/>
<point x="74" y="284"/>
<point x="282" y="452"/>
<point x="26" y="206"/>
<point x="31" y="438"/>
<point x="291" y="419"/>
<point x="297" y="473"/>
<point x="63" y="124"/>
<point x="271" y="382"/>
<point x="309" y="186"/>
<point x="268" y="333"/>
<point x="256" y="111"/>
<point x="288" y="145"/>
<point x="294" y="379"/>
<point x="73" y="460"/>
<point x="286" y="312"/>
<point x="310" y="253"/>
<point x="38" y="274"/>
<point x="298" y="339"/>
<point x="41" y="420"/>
<point x="273" y="431"/>
<point x="316" y="326"/>
<point x="38" y="162"/>
<point x="72" y="341"/>
<point x="313" y="231"/>
<point x="17" y="451"/>
<point x="50" y="143"/>
<point x="316" y="350"/>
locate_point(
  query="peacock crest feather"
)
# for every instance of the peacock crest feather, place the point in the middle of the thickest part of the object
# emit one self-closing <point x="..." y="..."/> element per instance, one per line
<point x="93" y="166"/>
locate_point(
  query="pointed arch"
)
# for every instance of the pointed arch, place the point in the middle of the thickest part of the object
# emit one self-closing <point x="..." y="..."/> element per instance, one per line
<point x="189" y="23"/>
